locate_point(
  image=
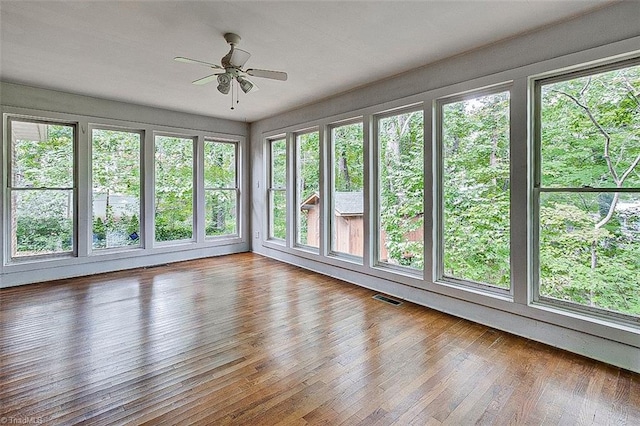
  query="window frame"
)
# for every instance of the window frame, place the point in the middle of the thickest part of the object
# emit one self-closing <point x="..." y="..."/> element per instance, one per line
<point x="141" y="199"/>
<point x="536" y="189"/>
<point x="235" y="188"/>
<point x="376" y="201"/>
<point x="297" y="201"/>
<point x="439" y="277"/>
<point x="272" y="190"/>
<point x="331" y="252"/>
<point x="9" y="188"/>
<point x="194" y="197"/>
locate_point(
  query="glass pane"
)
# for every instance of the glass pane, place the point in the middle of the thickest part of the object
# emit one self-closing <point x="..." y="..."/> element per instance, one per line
<point x="401" y="206"/>
<point x="220" y="212"/>
<point x="174" y="188"/>
<point x="219" y="164"/>
<point x="279" y="164"/>
<point x="41" y="222"/>
<point x="590" y="249"/>
<point x="475" y="176"/>
<point x="41" y="155"/>
<point x="278" y="215"/>
<point x="348" y="201"/>
<point x="115" y="168"/>
<point x="590" y="131"/>
<point x="308" y="179"/>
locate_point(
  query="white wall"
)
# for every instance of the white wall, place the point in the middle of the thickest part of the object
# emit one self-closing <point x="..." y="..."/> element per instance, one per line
<point x="18" y="100"/>
<point x="603" y="34"/>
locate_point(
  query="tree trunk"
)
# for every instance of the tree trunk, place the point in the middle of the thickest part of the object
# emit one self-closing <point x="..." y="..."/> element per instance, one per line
<point x="594" y="264"/>
<point x="343" y="166"/>
<point x="493" y="157"/>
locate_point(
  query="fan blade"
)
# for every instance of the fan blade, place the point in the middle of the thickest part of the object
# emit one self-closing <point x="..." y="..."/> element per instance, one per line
<point x="205" y="80"/>
<point x="239" y="57"/>
<point x="274" y="75"/>
<point x="193" y="61"/>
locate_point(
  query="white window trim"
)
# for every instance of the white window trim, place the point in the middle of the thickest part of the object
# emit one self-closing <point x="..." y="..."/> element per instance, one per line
<point x="194" y="198"/>
<point x="236" y="188"/>
<point x="296" y="198"/>
<point x="143" y="230"/>
<point x="271" y="190"/>
<point x="438" y="202"/>
<point x="8" y="189"/>
<point x="375" y="192"/>
<point x="330" y="206"/>
<point x="535" y="84"/>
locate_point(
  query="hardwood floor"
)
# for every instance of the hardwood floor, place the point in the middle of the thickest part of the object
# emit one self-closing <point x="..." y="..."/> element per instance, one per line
<point x="243" y="339"/>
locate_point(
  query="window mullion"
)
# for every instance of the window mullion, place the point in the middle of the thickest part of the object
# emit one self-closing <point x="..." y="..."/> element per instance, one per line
<point x="82" y="173"/>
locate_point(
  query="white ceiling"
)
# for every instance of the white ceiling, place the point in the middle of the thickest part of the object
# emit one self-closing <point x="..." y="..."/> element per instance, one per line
<point x="124" y="50"/>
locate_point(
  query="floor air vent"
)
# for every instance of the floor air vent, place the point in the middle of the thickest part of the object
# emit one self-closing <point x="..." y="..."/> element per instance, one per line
<point x="386" y="299"/>
<point x="161" y="265"/>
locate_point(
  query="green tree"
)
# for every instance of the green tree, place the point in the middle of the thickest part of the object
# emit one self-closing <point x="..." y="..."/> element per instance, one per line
<point x="278" y="201"/>
<point x="590" y="241"/>
<point x="174" y="188"/>
<point x="476" y="215"/>
<point x="348" y="158"/>
<point x="220" y="183"/>
<point x="308" y="175"/>
<point x="401" y="139"/>
<point x="42" y="175"/>
<point x="115" y="168"/>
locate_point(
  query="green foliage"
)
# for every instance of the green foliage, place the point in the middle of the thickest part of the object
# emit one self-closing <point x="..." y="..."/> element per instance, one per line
<point x="115" y="168"/>
<point x="348" y="158"/>
<point x="279" y="163"/>
<point x="174" y="188"/>
<point x="573" y="145"/>
<point x="220" y="181"/>
<point x="308" y="175"/>
<point x="42" y="170"/>
<point x="475" y="139"/>
<point x="220" y="212"/>
<point x="278" y="202"/>
<point x="401" y="139"/>
<point x="219" y="164"/>
<point x="45" y="161"/>
<point x="44" y="235"/>
<point x="590" y="242"/>
<point x="279" y="214"/>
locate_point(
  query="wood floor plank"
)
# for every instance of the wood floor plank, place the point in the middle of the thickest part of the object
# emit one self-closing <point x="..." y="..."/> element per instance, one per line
<point x="243" y="339"/>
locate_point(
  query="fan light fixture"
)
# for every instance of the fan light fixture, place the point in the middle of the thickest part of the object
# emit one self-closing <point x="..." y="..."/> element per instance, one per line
<point x="245" y="84"/>
<point x="224" y="83"/>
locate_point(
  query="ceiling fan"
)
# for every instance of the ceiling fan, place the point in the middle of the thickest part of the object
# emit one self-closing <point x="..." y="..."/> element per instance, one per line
<point x="231" y="69"/>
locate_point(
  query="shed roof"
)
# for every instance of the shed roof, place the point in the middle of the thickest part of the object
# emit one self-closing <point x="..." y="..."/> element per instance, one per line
<point x="349" y="203"/>
<point x="345" y="203"/>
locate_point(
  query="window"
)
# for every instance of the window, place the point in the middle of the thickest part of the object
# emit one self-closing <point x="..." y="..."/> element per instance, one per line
<point x="308" y="189"/>
<point x="401" y="189"/>
<point x="474" y="200"/>
<point x="115" y="172"/>
<point x="587" y="189"/>
<point x="221" y="190"/>
<point x="173" y="188"/>
<point x="347" y="224"/>
<point x="278" y="189"/>
<point x="41" y="188"/>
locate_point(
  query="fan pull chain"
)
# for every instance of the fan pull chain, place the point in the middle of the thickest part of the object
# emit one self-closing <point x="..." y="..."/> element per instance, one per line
<point x="232" y="87"/>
